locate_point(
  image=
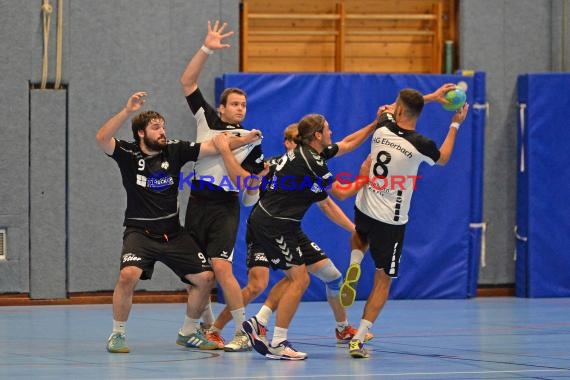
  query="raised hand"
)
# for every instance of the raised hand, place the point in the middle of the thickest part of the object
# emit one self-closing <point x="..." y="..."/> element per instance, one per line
<point x="460" y="114"/>
<point x="214" y="38"/>
<point x="439" y="94"/>
<point x="385" y="108"/>
<point x="136" y="101"/>
<point x="265" y="170"/>
<point x="253" y="135"/>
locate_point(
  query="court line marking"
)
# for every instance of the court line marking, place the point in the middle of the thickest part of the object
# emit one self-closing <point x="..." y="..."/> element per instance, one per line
<point x="352" y="375"/>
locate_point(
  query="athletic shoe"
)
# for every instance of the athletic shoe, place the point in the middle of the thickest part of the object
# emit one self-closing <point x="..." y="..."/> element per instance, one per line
<point x="346" y="335"/>
<point x="117" y="344"/>
<point x="239" y="343"/>
<point x="348" y="287"/>
<point x="285" y="351"/>
<point x="256" y="333"/>
<point x="214" y="336"/>
<point x="356" y="349"/>
<point x="196" y="340"/>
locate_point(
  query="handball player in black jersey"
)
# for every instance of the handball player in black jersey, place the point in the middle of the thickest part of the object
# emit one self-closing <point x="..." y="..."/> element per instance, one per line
<point x="150" y="168"/>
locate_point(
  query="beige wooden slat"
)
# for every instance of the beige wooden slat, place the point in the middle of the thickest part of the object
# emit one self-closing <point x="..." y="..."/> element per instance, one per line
<point x="340" y="41"/>
<point x="369" y="16"/>
<point x="293" y="32"/>
<point x="408" y="50"/>
<point x="276" y="39"/>
<point x="291" y="64"/>
<point x="393" y="65"/>
<point x="390" y="33"/>
<point x="290" y="49"/>
<point x="292" y="16"/>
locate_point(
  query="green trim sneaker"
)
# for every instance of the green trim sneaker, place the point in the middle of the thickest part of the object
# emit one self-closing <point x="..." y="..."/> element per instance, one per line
<point x="196" y="340"/>
<point x="117" y="344"/>
<point x="239" y="343"/>
<point x="347" y="292"/>
<point x="356" y="349"/>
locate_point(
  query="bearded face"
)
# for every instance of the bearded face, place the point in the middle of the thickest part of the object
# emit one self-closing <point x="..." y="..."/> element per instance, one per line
<point x="155" y="135"/>
<point x="157" y="143"/>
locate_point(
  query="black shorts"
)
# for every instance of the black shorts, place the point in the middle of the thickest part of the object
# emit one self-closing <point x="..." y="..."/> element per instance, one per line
<point x="386" y="241"/>
<point x="181" y="254"/>
<point x="278" y="243"/>
<point x="214" y="224"/>
<point x="256" y="257"/>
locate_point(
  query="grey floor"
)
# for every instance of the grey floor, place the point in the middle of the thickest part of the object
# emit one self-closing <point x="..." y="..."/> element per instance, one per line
<point x="484" y="338"/>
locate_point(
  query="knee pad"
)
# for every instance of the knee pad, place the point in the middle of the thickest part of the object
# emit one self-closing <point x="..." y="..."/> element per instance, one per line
<point x="332" y="278"/>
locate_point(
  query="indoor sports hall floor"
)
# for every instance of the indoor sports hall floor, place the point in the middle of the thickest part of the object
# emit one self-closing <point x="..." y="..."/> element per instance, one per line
<point x="481" y="338"/>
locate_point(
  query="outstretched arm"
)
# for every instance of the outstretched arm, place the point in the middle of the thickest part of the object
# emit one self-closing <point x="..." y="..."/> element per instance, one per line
<point x="446" y="147"/>
<point x="353" y="141"/>
<point x="212" y="41"/>
<point x="208" y="147"/>
<point x="235" y="170"/>
<point x="335" y="214"/>
<point x="344" y="190"/>
<point x="106" y="134"/>
<point x="439" y="94"/>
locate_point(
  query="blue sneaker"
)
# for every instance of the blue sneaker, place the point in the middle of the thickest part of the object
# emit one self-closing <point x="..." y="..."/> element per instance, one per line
<point x="196" y="340"/>
<point x="256" y="333"/>
<point x="117" y="344"/>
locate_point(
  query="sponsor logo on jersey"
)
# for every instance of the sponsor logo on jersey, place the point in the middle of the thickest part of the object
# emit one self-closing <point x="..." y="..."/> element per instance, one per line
<point x="165" y="165"/>
<point x="141" y="180"/>
<point x="260" y="257"/>
<point x="127" y="257"/>
<point x="398" y="147"/>
<point x="275" y="261"/>
<point x="316" y="188"/>
<point x="159" y="181"/>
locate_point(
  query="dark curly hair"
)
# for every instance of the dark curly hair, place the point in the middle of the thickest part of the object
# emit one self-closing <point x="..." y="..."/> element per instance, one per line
<point x="141" y="121"/>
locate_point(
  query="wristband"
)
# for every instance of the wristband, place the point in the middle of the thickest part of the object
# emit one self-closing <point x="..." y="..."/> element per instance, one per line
<point x="206" y="50"/>
<point x="454" y="125"/>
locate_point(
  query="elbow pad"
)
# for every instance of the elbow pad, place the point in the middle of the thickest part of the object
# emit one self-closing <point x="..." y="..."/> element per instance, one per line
<point x="248" y="199"/>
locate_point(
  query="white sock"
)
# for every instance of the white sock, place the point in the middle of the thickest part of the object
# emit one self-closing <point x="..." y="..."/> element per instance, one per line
<point x="279" y="335"/>
<point x="341" y="325"/>
<point x="120" y="327"/>
<point x="264" y="315"/>
<point x="190" y="326"/>
<point x="208" y="315"/>
<point x="356" y="256"/>
<point x="239" y="318"/>
<point x="362" y="329"/>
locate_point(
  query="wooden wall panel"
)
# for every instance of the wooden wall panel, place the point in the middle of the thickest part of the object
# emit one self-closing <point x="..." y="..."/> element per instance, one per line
<point x="346" y="35"/>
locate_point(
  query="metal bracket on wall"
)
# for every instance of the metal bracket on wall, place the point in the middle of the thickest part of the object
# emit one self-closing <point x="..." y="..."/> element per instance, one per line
<point x="2" y="244"/>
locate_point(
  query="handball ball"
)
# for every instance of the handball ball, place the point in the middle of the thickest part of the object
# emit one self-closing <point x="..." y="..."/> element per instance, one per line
<point x="456" y="99"/>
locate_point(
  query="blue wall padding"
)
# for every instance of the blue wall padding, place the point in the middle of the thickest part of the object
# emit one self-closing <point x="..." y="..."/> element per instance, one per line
<point x="438" y="250"/>
<point x="543" y="208"/>
<point x="478" y="117"/>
